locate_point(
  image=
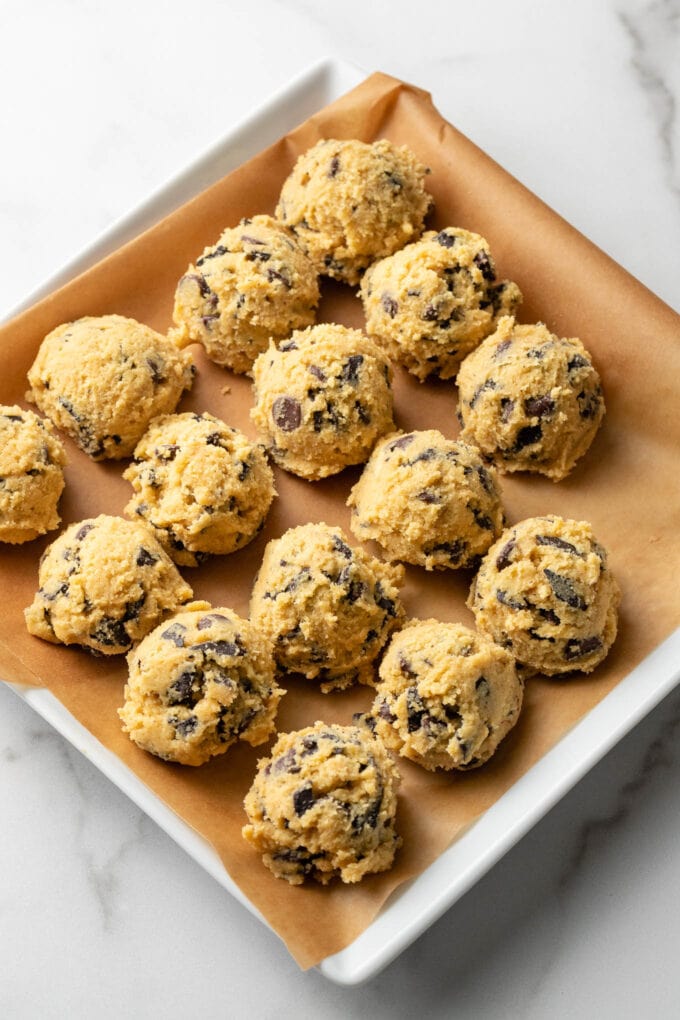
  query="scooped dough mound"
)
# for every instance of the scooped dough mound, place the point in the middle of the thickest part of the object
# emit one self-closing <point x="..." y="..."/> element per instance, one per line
<point x="104" y="583"/>
<point x="446" y="697"/>
<point x="197" y="683"/>
<point x="31" y="475"/>
<point x="352" y="202"/>
<point x="254" y="285"/>
<point x="324" y="805"/>
<point x="530" y="400"/>
<point x="327" y="609"/>
<point x="102" y="380"/>
<point x="322" y="399"/>
<point x="427" y="500"/>
<point x="544" y="592"/>
<point x="201" y="484"/>
<point x="431" y="303"/>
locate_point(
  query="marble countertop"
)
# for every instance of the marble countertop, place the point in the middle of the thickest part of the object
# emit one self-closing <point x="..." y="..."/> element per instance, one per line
<point x="101" y="914"/>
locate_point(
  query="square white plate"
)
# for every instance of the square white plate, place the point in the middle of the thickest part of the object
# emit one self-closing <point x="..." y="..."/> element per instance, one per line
<point x="416" y="905"/>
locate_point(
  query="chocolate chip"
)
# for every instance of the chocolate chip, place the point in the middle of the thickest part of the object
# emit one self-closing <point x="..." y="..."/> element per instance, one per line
<point x="385" y="713"/>
<point x="276" y="274"/>
<point x="483" y="263"/>
<point x="203" y="286"/>
<point x="453" y="550"/>
<point x="539" y="407"/>
<point x="481" y="520"/>
<point x="334" y="167"/>
<point x="488" y="384"/>
<point x="318" y="373"/>
<point x="310" y="745"/>
<point x="175" y="633"/>
<point x="362" y="414"/>
<point x="111" y="632"/>
<point x="507" y="407"/>
<point x="390" y="306"/>
<point x="186" y="689"/>
<point x="385" y="603"/>
<point x="527" y="436"/>
<point x="303" y="799"/>
<point x="287" y="413"/>
<point x="220" y="249"/>
<point x="563" y="589"/>
<point x="578" y="361"/>
<point x="289" y="345"/>
<point x="355" y="590"/>
<point x="406" y="667"/>
<point x="167" y="452"/>
<point x="430" y="314"/>
<point x="207" y="621"/>
<point x="221" y="648"/>
<point x="156" y="369"/>
<point x="350" y="369"/>
<point x="501" y="348"/>
<point x="13" y="417"/>
<point x="145" y="558"/>
<point x="482" y="687"/>
<point x="559" y="543"/>
<point x="503" y="560"/>
<point x="402" y="442"/>
<point x="550" y="615"/>
<point x="446" y="240"/>
<point x="258" y="256"/>
<point x="428" y="496"/>
<point x="425" y="455"/>
<point x="341" y="547"/>
<point x="509" y="601"/>
<point x="576" y="648"/>
<point x="183" y="727"/>
<point x="83" y="531"/>
<point x="415" y="710"/>
<point x="287" y="762"/>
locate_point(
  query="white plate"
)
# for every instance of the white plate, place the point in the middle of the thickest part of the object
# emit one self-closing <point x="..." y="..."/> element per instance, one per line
<point x="416" y="905"/>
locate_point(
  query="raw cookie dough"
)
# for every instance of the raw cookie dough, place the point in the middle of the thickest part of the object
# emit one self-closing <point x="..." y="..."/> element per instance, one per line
<point x="327" y="609"/>
<point x="102" y="380"/>
<point x="446" y="696"/>
<point x="31" y="475"/>
<point x="254" y="285"/>
<point x="352" y="202"/>
<point x="431" y="303"/>
<point x="427" y="500"/>
<point x="197" y="683"/>
<point x="324" y="805"/>
<point x="104" y="583"/>
<point x="202" y="485"/>
<point x="530" y="400"/>
<point x="545" y="593"/>
<point x="322" y="399"/>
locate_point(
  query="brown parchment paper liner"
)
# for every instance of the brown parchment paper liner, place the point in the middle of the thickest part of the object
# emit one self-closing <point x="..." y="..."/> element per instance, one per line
<point x="626" y="486"/>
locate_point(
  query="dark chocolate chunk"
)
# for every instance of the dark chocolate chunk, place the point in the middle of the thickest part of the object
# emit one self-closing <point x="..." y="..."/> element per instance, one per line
<point x="276" y="274"/>
<point x="167" y="452"/>
<point x="145" y="558"/>
<point x="527" y="436"/>
<point x="385" y="713"/>
<point x="334" y="167"/>
<point x="218" y="250"/>
<point x="446" y="240"/>
<point x="576" y="648"/>
<point x="430" y="314"/>
<point x="483" y="263"/>
<point x="390" y="306"/>
<point x="303" y="799"/>
<point x="503" y="559"/>
<point x="287" y="762"/>
<point x="111" y="632"/>
<point x="415" y="710"/>
<point x="501" y="348"/>
<point x="186" y="689"/>
<point x="362" y="414"/>
<point x="175" y="633"/>
<point x="385" y="603"/>
<point x="406" y="667"/>
<point x="156" y="368"/>
<point x="482" y="687"/>
<point x="288" y="345"/>
<point x="508" y="600"/>
<point x="83" y="531"/>
<point x="559" y="543"/>
<point x="563" y="589"/>
<point x="219" y="648"/>
<point x="578" y="361"/>
<point x="539" y="407"/>
<point x="310" y="745"/>
<point x="549" y="614"/>
<point x="428" y="496"/>
<point x="488" y="384"/>
<point x="481" y="520"/>
<point x="350" y="369"/>
<point x="402" y="442"/>
<point x="318" y="373"/>
<point x="355" y="590"/>
<point x="341" y="547"/>
<point x="183" y="727"/>
<point x="507" y="407"/>
<point x="287" y="413"/>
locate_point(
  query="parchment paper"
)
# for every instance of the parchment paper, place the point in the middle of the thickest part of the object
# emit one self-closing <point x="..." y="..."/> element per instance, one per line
<point x="627" y="486"/>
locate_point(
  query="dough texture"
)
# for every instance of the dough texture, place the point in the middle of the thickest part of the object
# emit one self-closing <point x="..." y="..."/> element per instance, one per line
<point x="32" y="463"/>
<point x="322" y="399"/>
<point x="201" y="484"/>
<point x="254" y="285"/>
<point x="427" y="500"/>
<point x="530" y="400"/>
<point x="352" y="202"/>
<point x="544" y="592"/>
<point x="431" y="303"/>
<point x="324" y="805"/>
<point x="102" y="380"/>
<point x="104" y="583"/>
<point x="446" y="696"/>
<point x="198" y="682"/>
<point x="326" y="608"/>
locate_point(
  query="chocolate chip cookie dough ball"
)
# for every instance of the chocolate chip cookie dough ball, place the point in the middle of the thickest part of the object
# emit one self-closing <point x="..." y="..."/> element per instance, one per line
<point x="352" y="202"/>
<point x="102" y="380"/>
<point x="31" y="475"/>
<point x="446" y="696"/>
<point x="324" y="805"/>
<point x="326" y="608"/>
<point x="254" y="285"/>
<point x="104" y="583"/>
<point x="544" y="592"/>
<point x="427" y="500"/>
<point x="197" y="683"/>
<point x="322" y="399"/>
<point x="431" y="303"/>
<point x="530" y="400"/>
<point x="202" y="485"/>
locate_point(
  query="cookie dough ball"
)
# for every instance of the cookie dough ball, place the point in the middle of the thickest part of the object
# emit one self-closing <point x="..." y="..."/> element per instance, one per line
<point x="446" y="697"/>
<point x="322" y="399"/>
<point x="352" y="202"/>
<point x="427" y="500"/>
<point x="102" y="380"/>
<point x="197" y="683"/>
<point x="530" y="400"/>
<point x="324" y="805"/>
<point x="254" y="285"/>
<point x="202" y="485"/>
<point x="544" y="592"/>
<point x="326" y="608"/>
<point x="431" y="303"/>
<point x="31" y="475"/>
<point x="104" y="583"/>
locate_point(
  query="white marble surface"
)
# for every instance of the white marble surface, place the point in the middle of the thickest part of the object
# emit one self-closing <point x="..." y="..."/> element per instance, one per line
<point x="101" y="915"/>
